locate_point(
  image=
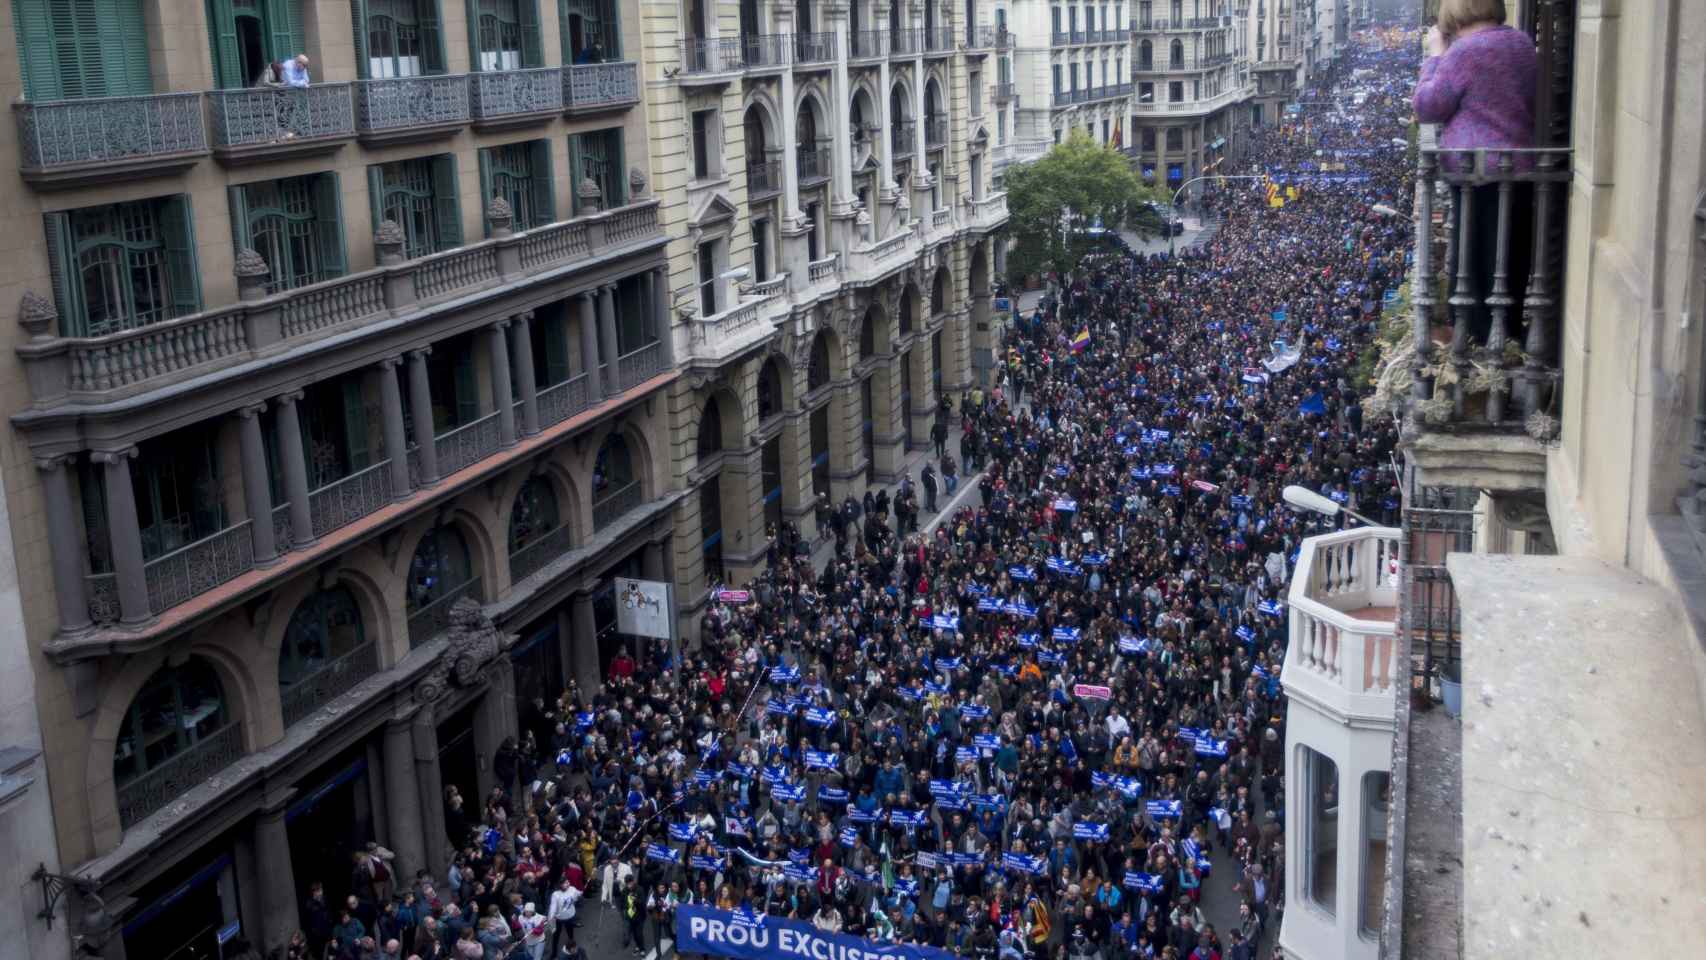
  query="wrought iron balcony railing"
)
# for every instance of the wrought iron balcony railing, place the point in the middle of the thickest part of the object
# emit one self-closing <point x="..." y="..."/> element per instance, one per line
<point x="935" y="132"/>
<point x="595" y="87"/>
<point x="1003" y="92"/>
<point x="407" y="107"/>
<point x="938" y="39"/>
<point x="763" y="179"/>
<point x="1501" y="306"/>
<point x="269" y="117"/>
<point x="711" y="56"/>
<point x="901" y="137"/>
<point x="66" y="142"/>
<point x="328" y="681"/>
<point x="908" y="42"/>
<point x="1059" y="38"/>
<point x="812" y="165"/>
<point x="433" y="618"/>
<point x="510" y="97"/>
<point x="814" y="47"/>
<point x="613" y="504"/>
<point x="867" y="44"/>
<point x="172" y="778"/>
<point x="760" y="50"/>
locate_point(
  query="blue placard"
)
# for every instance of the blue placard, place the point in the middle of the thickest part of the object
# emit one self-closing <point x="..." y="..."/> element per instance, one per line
<point x="707" y="930"/>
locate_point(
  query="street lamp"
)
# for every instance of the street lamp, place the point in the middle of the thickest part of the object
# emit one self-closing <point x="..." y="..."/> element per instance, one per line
<point x="1306" y="500"/>
<point x="1387" y="210"/>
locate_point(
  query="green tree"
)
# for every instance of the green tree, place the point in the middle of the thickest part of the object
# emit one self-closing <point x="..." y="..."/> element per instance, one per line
<point x="1052" y="201"/>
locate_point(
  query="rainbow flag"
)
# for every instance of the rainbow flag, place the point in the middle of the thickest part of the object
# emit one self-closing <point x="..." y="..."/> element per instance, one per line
<point x="1082" y="340"/>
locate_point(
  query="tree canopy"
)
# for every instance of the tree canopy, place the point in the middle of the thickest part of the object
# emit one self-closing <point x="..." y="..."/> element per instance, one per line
<point x="1052" y="201"/>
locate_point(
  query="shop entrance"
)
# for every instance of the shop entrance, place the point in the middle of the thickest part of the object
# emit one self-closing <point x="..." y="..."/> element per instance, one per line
<point x="191" y="910"/>
<point x="457" y="763"/>
<point x="538" y="662"/>
<point x="331" y="819"/>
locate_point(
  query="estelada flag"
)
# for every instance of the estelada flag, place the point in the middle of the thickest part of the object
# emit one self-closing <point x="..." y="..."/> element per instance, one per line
<point x="1082" y="340"/>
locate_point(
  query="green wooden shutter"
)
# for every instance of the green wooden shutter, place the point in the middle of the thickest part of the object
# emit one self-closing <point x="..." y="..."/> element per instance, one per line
<point x="62" y="266"/>
<point x="375" y="203"/>
<point x="36" y="50"/>
<point x="222" y="34"/>
<point x="284" y="28"/>
<point x="485" y="154"/>
<point x="575" y="174"/>
<point x="124" y="47"/>
<point x="556" y="334"/>
<point x="544" y="187"/>
<point x="237" y="199"/>
<point x="329" y="226"/>
<point x="473" y="14"/>
<point x="467" y="388"/>
<point x="447" y="206"/>
<point x="432" y="37"/>
<point x="177" y="233"/>
<point x="358" y="27"/>
<point x="355" y="424"/>
<point x="532" y="45"/>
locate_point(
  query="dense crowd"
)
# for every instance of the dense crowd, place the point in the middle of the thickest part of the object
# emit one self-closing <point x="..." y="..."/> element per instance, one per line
<point x="1039" y="724"/>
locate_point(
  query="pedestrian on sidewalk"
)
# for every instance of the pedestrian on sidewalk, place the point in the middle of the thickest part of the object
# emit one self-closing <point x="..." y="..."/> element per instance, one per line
<point x="950" y="475"/>
<point x="928" y="480"/>
<point x="939" y="436"/>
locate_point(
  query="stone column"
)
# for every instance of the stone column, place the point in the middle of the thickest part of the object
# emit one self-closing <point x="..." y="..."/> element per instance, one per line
<point x="423" y="730"/>
<point x="497" y="354"/>
<point x="126" y="536"/>
<point x="841" y="144"/>
<point x="885" y="189"/>
<point x="521" y="343"/>
<point x="607" y="346"/>
<point x="919" y="77"/>
<point x="65" y="544"/>
<point x="396" y="438"/>
<point x="589" y="349"/>
<point x="295" y="469"/>
<point x="783" y="13"/>
<point x="585" y="644"/>
<point x="662" y="315"/>
<point x="257" y="492"/>
<point x="403" y="797"/>
<point x="278" y="882"/>
<point x="420" y="410"/>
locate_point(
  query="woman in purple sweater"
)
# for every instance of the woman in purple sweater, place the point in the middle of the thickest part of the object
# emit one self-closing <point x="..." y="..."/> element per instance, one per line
<point x="1478" y="84"/>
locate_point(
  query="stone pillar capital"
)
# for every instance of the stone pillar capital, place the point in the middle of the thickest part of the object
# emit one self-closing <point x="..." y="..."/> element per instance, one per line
<point x="49" y="464"/>
<point x="289" y="399"/>
<point x="251" y="411"/>
<point x="501" y="324"/>
<point x="391" y="363"/>
<point x="113" y="456"/>
<point x="420" y="353"/>
<point x="524" y="316"/>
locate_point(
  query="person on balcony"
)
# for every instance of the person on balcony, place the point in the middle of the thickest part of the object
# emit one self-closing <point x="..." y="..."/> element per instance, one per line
<point x="1478" y="83"/>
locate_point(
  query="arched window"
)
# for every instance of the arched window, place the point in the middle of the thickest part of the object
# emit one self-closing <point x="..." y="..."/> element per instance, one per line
<point x="615" y="489"/>
<point x="908" y="311"/>
<point x="1145" y="55"/>
<point x="710" y="428"/>
<point x="440" y="573"/>
<point x="769" y="390"/>
<point x="319" y="657"/>
<point x="817" y="373"/>
<point x="177" y="732"/>
<point x="1176" y="55"/>
<point x="939" y="293"/>
<point x="534" y="514"/>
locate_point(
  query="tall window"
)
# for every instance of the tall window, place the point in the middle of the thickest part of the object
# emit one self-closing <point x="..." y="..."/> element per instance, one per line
<point x="1056" y="72"/>
<point x="520" y="173"/>
<point x="592" y="30"/>
<point x="325" y="628"/>
<point x="534" y="513"/>
<point x="440" y="566"/>
<point x="177" y="708"/>
<point x="249" y="35"/>
<point x="295" y="224"/>
<point x="597" y="156"/>
<point x="420" y="196"/>
<point x="705" y="152"/>
<point x="1321" y="829"/>
<point x="1175" y="139"/>
<point x="82" y="48"/>
<point x="398" y="38"/>
<point x="122" y="265"/>
<point x="507" y="37"/>
<point x="708" y="278"/>
<point x="177" y="490"/>
<point x="1175" y="91"/>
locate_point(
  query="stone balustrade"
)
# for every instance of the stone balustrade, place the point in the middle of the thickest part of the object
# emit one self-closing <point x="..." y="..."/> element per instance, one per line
<point x="1343" y="598"/>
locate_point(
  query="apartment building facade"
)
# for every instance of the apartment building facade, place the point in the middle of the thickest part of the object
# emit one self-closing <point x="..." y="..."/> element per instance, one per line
<point x="333" y="411"/>
<point x="1271" y="37"/>
<point x="1073" y="62"/>
<point x="824" y="172"/>
<point x="1192" y="70"/>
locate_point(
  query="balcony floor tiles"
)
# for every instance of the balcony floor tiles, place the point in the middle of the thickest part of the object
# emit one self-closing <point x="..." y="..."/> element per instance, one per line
<point x="109" y="641"/>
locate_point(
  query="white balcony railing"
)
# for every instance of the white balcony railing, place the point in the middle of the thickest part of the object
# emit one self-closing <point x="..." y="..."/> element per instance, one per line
<point x="1343" y="599"/>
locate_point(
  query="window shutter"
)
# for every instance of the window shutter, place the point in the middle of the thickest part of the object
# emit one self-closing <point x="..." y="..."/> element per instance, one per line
<point x="544" y="186"/>
<point x="616" y="191"/>
<point x="467" y="388"/>
<point x="358" y="28"/>
<point x="329" y="226"/>
<point x="432" y="37"/>
<point x="447" y="206"/>
<point x="177" y="232"/>
<point x="532" y="46"/>
<point x="222" y="33"/>
<point x="376" y="203"/>
<point x="284" y="28"/>
<point x="126" y="60"/>
<point x="237" y="199"/>
<point x="473" y="14"/>
<point x="355" y="424"/>
<point x="485" y="155"/>
<point x="610" y="25"/>
<point x="62" y="266"/>
<point x="575" y="174"/>
<point x="556" y="335"/>
<point x="36" y="49"/>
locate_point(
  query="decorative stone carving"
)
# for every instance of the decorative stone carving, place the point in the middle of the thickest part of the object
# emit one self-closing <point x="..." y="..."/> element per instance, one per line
<point x="250" y="264"/>
<point x="499" y="213"/>
<point x="473" y="642"/>
<point x="37" y="315"/>
<point x="590" y="195"/>
<point x="390" y="232"/>
<point x="636" y="183"/>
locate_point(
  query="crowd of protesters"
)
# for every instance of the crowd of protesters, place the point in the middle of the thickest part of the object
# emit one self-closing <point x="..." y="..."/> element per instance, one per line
<point x="1036" y="726"/>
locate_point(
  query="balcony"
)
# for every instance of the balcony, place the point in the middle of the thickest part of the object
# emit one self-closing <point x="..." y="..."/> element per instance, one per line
<point x="984" y="37"/>
<point x="939" y="39"/>
<point x="1206" y="105"/>
<point x="1003" y="92"/>
<point x="1343" y="600"/>
<point x="763" y="179"/>
<point x="639" y="365"/>
<point x="869" y="44"/>
<point x="716" y="339"/>
<point x="988" y="213"/>
<point x="1484" y="406"/>
<point x="538" y="553"/>
<point x="1080" y="95"/>
<point x="610" y="507"/>
<point x="1077" y="37"/>
<point x="760" y="51"/>
<point x="410" y="109"/>
<point x="935" y="133"/>
<point x="330" y="681"/>
<point x="902" y="138"/>
<point x="1202" y="23"/>
<point x="814" y="48"/>
<point x="711" y="59"/>
<point x="1059" y="38"/>
<point x="433" y="618"/>
<point x="516" y="98"/>
<point x="1217" y="59"/>
<point x="343" y="502"/>
<point x="560" y="401"/>
<point x="468" y="444"/>
<point x="171" y="779"/>
<point x="67" y="143"/>
<point x="266" y="123"/>
<point x="590" y="88"/>
<point x="818" y="271"/>
<point x="1122" y="35"/>
<point x="94" y="369"/>
<point x="906" y="43"/>
<point x="812" y="165"/>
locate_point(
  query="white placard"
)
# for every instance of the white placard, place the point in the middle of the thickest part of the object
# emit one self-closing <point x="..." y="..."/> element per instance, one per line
<point x="643" y="608"/>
